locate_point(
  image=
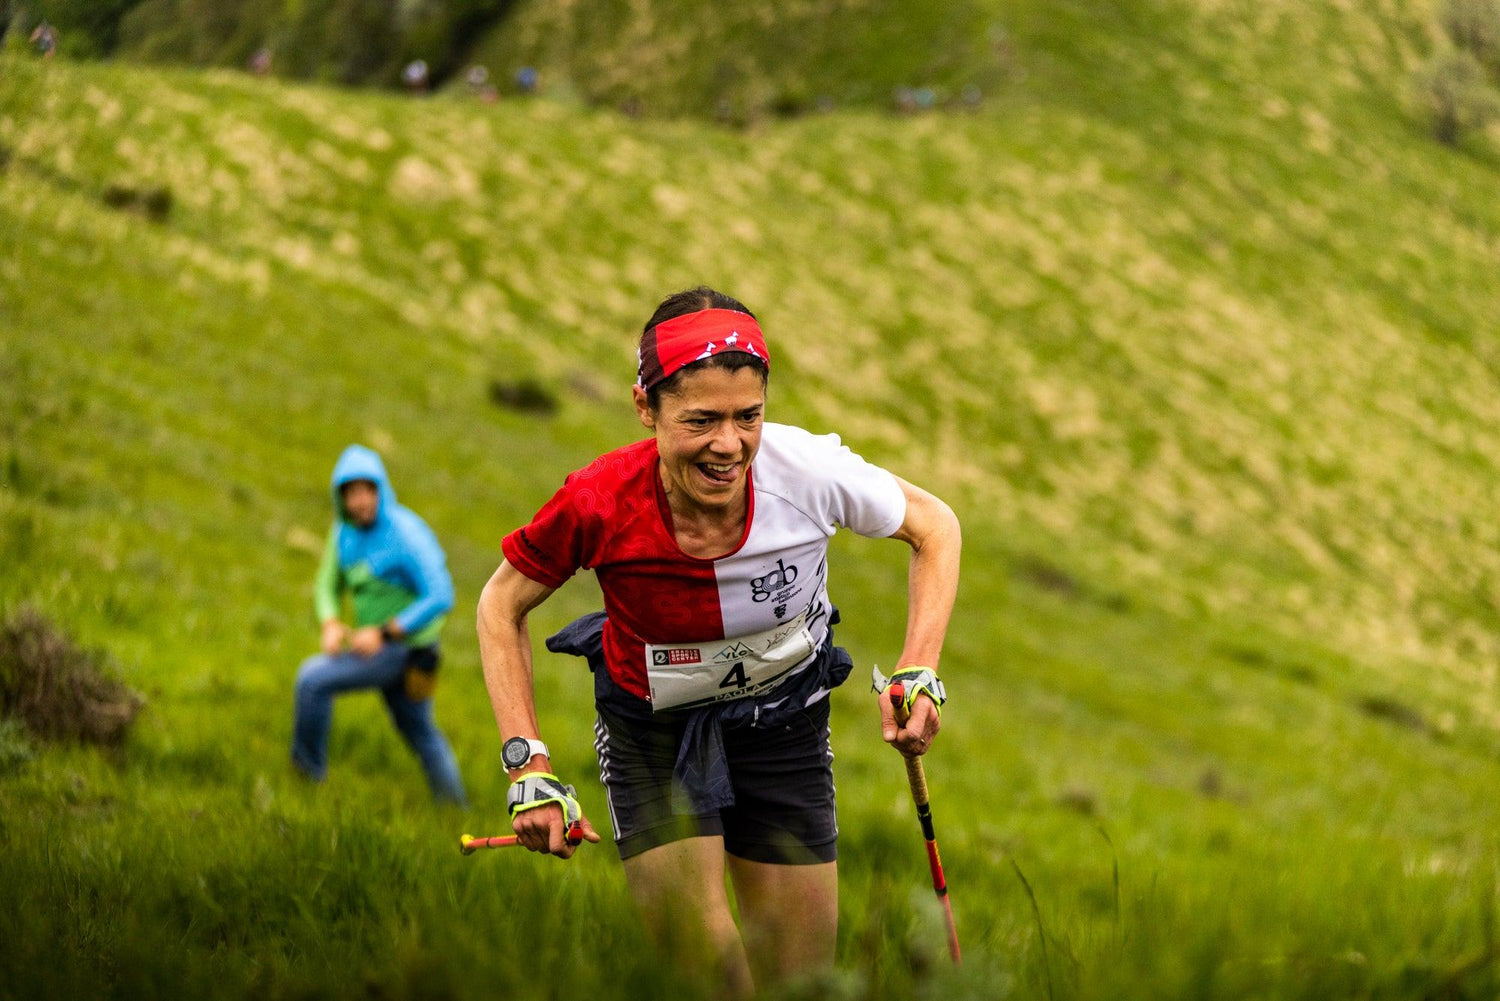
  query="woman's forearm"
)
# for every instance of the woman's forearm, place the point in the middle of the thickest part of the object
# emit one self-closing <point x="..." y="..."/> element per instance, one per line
<point x="932" y="530"/>
<point x="505" y="649"/>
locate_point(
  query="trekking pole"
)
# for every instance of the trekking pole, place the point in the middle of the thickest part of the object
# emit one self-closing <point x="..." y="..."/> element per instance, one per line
<point x="468" y="844"/>
<point x="918" y="781"/>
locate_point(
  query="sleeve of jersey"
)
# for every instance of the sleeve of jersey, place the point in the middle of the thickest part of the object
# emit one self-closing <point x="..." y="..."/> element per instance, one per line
<point x="552" y="547"/>
<point x="855" y="494"/>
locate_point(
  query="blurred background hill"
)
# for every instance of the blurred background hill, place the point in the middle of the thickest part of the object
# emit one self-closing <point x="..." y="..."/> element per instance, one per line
<point x="1179" y="303"/>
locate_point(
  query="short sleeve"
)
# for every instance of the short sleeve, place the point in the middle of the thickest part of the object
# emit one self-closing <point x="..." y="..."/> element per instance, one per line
<point x="833" y="484"/>
<point x="553" y="545"/>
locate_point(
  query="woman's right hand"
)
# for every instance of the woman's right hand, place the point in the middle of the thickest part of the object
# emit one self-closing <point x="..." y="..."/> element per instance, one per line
<point x="544" y="830"/>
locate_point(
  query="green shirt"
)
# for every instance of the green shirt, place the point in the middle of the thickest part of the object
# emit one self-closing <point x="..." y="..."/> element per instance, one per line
<point x="376" y="601"/>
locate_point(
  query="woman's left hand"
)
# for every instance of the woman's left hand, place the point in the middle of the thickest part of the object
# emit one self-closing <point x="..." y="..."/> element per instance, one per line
<point x="915" y="738"/>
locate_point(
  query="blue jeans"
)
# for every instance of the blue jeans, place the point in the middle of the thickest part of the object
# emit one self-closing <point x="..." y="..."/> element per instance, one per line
<point x="321" y="677"/>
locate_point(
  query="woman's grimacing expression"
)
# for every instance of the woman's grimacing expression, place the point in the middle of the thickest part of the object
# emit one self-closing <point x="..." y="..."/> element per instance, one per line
<point x="707" y="433"/>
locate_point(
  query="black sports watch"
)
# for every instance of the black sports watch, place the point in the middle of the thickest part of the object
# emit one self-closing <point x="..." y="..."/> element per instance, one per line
<point x="519" y="750"/>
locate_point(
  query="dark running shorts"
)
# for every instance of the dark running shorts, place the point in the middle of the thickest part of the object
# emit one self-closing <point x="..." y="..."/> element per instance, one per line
<point x="783" y="788"/>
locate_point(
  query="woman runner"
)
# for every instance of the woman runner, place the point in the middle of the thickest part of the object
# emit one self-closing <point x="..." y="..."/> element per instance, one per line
<point x="714" y="657"/>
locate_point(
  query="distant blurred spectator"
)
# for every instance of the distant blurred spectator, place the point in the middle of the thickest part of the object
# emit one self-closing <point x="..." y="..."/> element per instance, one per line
<point x="260" y="62"/>
<point x="478" y="80"/>
<point x="526" y="79"/>
<point x="414" y="76"/>
<point x="44" y="40"/>
<point x="1000" y="43"/>
<point x="387" y="559"/>
<point x="972" y="96"/>
<point x="910" y="100"/>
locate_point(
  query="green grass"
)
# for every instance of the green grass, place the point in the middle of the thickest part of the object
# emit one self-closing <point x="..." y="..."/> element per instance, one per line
<point x="1191" y="323"/>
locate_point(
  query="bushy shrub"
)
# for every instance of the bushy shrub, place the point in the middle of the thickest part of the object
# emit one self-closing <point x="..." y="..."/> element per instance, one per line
<point x="156" y="31"/>
<point x="348" y="41"/>
<point x="57" y="690"/>
<point x="1456" y="95"/>
<point x="526" y="395"/>
<point x="15" y="748"/>
<point x="443" y="32"/>
<point x="365" y="47"/>
<point x="86" y="28"/>
<point x="1474" y="26"/>
<point x="204" y="32"/>
<point x="155" y="202"/>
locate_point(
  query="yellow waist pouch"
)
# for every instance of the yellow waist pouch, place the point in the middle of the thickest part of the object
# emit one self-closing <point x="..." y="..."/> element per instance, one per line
<point x="420" y="675"/>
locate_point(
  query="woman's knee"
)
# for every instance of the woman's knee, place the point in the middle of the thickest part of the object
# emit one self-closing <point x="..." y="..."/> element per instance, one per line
<point x="311" y="674"/>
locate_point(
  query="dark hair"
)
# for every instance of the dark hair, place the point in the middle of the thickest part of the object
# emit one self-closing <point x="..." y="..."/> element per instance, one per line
<point x="691" y="301"/>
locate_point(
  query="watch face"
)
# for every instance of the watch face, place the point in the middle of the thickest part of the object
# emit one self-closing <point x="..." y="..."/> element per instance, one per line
<point x="516" y="752"/>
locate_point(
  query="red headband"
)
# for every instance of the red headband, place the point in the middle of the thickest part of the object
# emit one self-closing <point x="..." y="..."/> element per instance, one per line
<point x="682" y="340"/>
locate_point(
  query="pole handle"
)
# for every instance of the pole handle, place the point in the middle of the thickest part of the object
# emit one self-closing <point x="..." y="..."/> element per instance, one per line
<point x="915" y="776"/>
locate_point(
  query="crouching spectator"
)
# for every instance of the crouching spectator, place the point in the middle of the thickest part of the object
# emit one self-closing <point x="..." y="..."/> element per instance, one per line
<point x="389" y="562"/>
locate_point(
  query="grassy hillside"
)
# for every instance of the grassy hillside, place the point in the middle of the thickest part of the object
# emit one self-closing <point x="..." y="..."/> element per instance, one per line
<point x="1123" y="61"/>
<point x="1194" y="327"/>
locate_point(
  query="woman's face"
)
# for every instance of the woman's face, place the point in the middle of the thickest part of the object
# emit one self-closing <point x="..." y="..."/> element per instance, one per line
<point x="361" y="502"/>
<point x="707" y="433"/>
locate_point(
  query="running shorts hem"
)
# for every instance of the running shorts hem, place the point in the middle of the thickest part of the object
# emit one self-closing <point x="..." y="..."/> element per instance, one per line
<point x="783" y="854"/>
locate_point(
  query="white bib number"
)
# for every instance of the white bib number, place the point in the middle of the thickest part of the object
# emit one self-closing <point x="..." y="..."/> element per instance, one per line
<point x="685" y="675"/>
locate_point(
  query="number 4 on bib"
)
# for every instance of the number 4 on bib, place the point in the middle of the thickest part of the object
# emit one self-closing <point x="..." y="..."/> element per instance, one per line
<point x="735" y="678"/>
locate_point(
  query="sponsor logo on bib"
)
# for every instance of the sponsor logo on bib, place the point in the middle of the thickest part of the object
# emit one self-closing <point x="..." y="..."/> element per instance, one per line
<point x="784" y="632"/>
<point x="681" y="655"/>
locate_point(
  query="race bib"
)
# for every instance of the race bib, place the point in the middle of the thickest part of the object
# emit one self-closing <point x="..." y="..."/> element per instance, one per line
<point x="686" y="675"/>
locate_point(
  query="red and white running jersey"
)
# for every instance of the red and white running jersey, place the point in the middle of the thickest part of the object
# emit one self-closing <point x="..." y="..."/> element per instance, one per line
<point x="612" y="517"/>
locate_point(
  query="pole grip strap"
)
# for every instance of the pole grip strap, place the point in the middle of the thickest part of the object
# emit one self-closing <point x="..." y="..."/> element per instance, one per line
<point x="536" y="789"/>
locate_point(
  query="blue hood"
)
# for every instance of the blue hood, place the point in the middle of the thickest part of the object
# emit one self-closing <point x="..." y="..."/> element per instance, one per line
<point x="360" y="463"/>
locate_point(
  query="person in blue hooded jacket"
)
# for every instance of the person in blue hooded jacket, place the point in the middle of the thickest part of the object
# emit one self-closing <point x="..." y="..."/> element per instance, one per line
<point x="387" y="559"/>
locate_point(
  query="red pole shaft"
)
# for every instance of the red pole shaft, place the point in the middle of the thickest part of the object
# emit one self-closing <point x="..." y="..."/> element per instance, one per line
<point x="468" y="845"/>
<point x="501" y="841"/>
